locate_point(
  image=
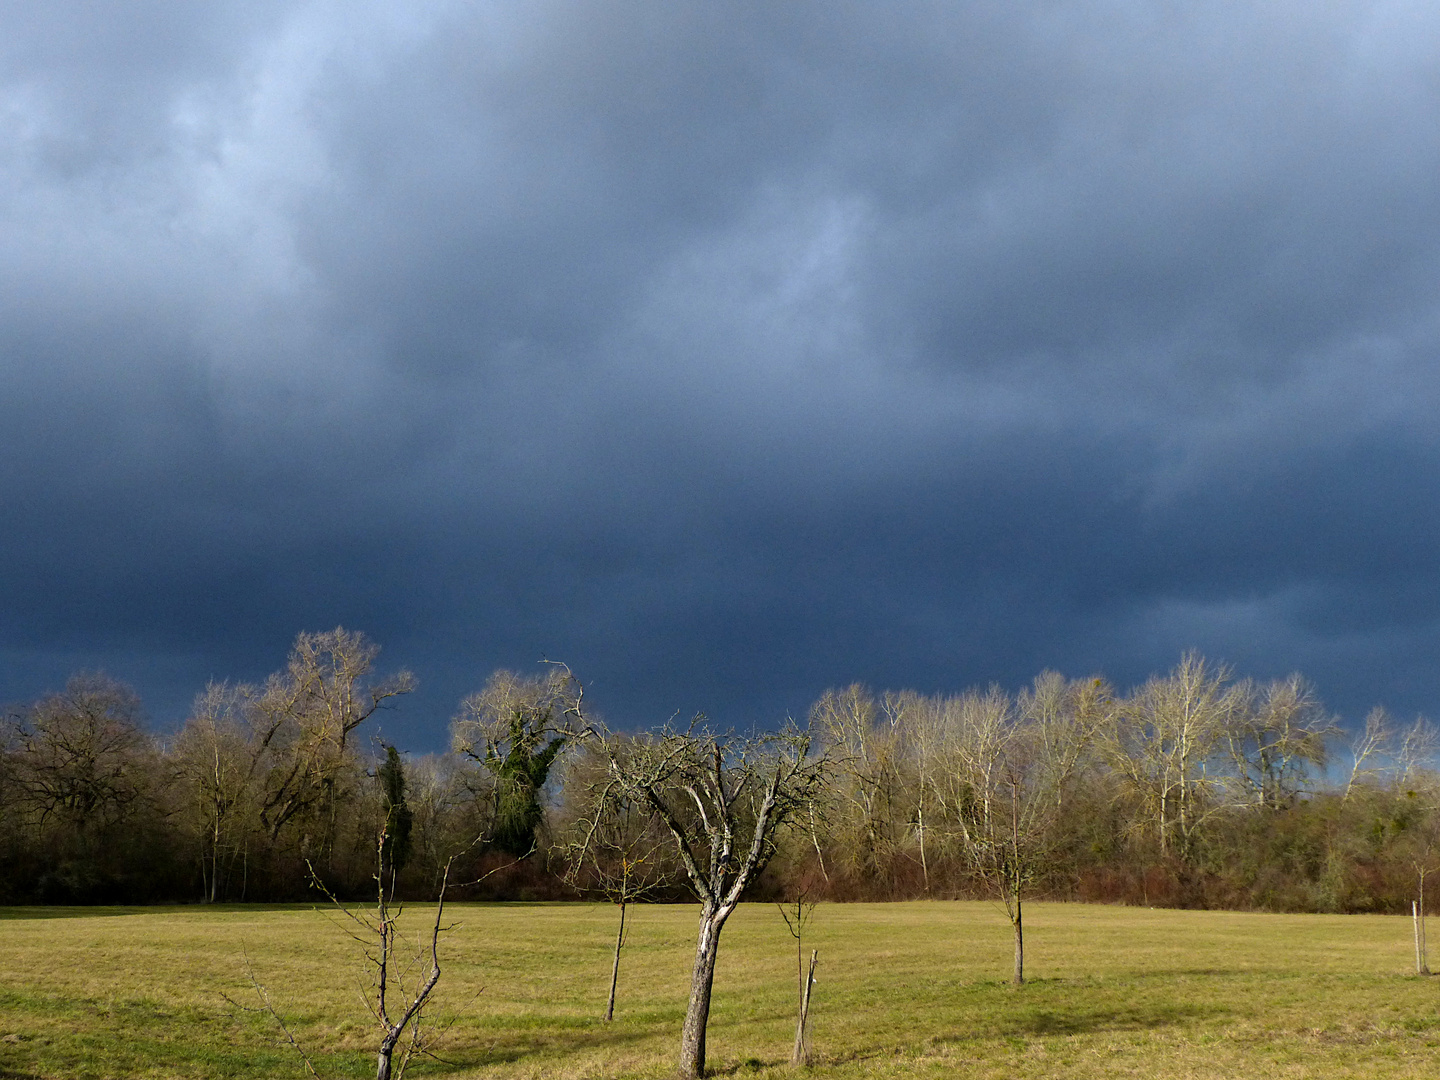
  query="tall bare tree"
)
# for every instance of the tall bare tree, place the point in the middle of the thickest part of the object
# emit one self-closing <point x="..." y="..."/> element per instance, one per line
<point x="1278" y="734"/>
<point x="1165" y="744"/>
<point x="992" y="763"/>
<point x="1415" y="753"/>
<point x="216" y="767"/>
<point x="1369" y="749"/>
<point x="723" y="800"/>
<point x="867" y="818"/>
<point x="301" y="723"/>
<point x="1065" y="718"/>
<point x="1002" y="777"/>
<point x="919" y="724"/>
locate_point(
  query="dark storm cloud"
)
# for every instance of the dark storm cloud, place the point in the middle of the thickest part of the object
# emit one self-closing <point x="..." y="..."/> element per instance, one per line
<point x="726" y="351"/>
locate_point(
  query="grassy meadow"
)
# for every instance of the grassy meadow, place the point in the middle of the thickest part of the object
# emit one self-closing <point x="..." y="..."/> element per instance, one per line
<point x="904" y="990"/>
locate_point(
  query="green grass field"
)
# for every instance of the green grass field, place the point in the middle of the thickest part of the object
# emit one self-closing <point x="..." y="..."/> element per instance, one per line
<point x="905" y="990"/>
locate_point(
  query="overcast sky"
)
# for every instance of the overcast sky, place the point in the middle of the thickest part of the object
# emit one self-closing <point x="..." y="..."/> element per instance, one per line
<point x="727" y="351"/>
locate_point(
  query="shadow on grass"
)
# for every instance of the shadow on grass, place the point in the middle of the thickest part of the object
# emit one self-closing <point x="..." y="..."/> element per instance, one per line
<point x="69" y="913"/>
<point x="522" y="1046"/>
<point x="1135" y="1017"/>
<point x="748" y="1065"/>
<point x="108" y="911"/>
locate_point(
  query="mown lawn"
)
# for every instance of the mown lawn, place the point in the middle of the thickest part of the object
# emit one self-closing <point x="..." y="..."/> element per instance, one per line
<point x="905" y="990"/>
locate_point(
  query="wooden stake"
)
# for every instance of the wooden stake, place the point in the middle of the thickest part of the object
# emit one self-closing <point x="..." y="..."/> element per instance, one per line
<point x="801" y="1053"/>
<point x="1415" y="919"/>
<point x="1424" y="952"/>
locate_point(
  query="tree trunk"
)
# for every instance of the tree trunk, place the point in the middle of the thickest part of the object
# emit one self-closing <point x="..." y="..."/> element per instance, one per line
<point x="697" y="1016"/>
<point x="215" y="861"/>
<point x="920" y="829"/>
<point x="615" y="970"/>
<point x="1015" y="920"/>
<point x="387" y="1051"/>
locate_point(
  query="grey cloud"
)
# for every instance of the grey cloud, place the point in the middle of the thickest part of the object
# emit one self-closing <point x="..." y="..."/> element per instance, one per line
<point x="725" y="352"/>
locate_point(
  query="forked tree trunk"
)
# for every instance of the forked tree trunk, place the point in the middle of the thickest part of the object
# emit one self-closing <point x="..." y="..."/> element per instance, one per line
<point x="615" y="970"/>
<point x="697" y="1016"/>
<point x="387" y="1051"/>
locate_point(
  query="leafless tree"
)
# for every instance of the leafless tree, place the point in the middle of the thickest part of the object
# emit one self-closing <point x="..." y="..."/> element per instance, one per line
<point x="402" y="979"/>
<point x="402" y="976"/>
<point x="1165" y="744"/>
<point x="918" y="720"/>
<point x="618" y="849"/>
<point x="796" y="914"/>
<point x="1421" y="850"/>
<point x="995" y="806"/>
<point x="869" y="789"/>
<point x="82" y="754"/>
<point x="445" y="812"/>
<point x="1276" y="736"/>
<point x="302" y="719"/>
<point x="722" y="799"/>
<point x="1416" y="752"/>
<point x="1385" y="754"/>
<point x="216" y="769"/>
<point x="1369" y="749"/>
<point x="1066" y="718"/>
<point x="1001" y="778"/>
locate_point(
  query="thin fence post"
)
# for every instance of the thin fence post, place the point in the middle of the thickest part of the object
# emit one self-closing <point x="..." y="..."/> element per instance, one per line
<point x="1415" y="920"/>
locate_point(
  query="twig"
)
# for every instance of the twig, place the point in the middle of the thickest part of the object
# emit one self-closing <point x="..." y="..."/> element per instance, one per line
<point x="264" y="996"/>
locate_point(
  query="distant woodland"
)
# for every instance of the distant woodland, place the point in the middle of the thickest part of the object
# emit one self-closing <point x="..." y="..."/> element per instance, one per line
<point x="1195" y="789"/>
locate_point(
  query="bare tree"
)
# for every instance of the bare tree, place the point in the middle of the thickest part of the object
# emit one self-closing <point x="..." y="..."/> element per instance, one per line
<point x="618" y="849"/>
<point x="402" y="977"/>
<point x="402" y="980"/>
<point x="722" y="799"/>
<point x="301" y="723"/>
<point x="1421" y="849"/>
<point x="444" y="811"/>
<point x="1416" y="752"/>
<point x="919" y="722"/>
<point x="1002" y="776"/>
<point x="869" y="798"/>
<point x="1277" y="734"/>
<point x="82" y="754"/>
<point x="1066" y="717"/>
<point x="999" y="813"/>
<point x="1369" y="749"/>
<point x="797" y="914"/>
<point x="1165" y="744"/>
<point x="216" y="768"/>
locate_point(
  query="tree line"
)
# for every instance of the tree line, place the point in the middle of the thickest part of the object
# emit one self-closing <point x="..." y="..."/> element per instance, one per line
<point x="1195" y="788"/>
